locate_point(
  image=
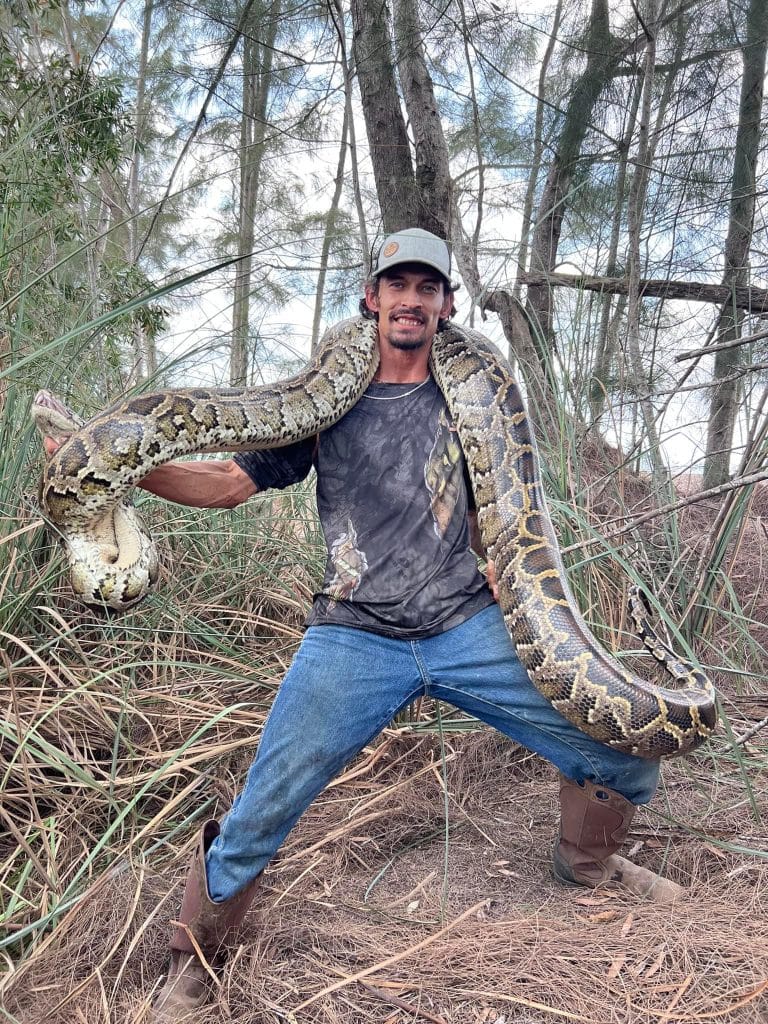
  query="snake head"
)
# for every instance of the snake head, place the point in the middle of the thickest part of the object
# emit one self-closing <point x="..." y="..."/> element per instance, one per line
<point x="53" y="418"/>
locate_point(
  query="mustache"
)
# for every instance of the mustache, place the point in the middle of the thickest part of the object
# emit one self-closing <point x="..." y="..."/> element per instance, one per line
<point x="407" y="312"/>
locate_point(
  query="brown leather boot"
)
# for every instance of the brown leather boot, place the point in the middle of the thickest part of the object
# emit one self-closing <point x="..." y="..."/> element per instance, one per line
<point x="594" y="823"/>
<point x="189" y="981"/>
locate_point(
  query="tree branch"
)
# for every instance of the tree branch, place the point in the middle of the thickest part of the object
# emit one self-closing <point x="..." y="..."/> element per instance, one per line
<point x="673" y="506"/>
<point x="733" y="343"/>
<point x="753" y="299"/>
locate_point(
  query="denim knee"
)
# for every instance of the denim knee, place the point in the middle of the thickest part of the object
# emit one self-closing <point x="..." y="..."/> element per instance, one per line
<point x="635" y="778"/>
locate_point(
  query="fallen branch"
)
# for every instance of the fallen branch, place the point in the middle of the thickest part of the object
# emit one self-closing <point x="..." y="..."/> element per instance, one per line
<point x="752" y="731"/>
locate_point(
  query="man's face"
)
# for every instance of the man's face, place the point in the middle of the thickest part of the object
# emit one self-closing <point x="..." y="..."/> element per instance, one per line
<point x="410" y="300"/>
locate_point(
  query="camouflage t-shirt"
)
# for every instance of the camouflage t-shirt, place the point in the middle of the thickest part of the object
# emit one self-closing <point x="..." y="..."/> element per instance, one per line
<point x="393" y="498"/>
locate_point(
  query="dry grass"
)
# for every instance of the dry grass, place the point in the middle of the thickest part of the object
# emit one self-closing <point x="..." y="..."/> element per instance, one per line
<point x="361" y="919"/>
<point x="378" y="908"/>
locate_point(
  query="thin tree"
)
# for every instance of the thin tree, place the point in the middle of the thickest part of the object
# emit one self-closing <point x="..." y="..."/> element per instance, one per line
<point x="538" y="149"/>
<point x="724" y="404"/>
<point x="258" y="57"/>
<point x="145" y="355"/>
<point x="636" y="207"/>
<point x="603" y="54"/>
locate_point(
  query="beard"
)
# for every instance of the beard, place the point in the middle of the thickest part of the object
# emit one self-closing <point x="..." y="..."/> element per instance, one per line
<point x="407" y="344"/>
<point x="405" y="340"/>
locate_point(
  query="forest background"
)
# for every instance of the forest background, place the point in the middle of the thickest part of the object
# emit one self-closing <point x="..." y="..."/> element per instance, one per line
<point x="190" y="193"/>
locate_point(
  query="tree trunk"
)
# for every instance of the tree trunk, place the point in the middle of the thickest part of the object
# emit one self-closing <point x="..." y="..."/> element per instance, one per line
<point x="635" y="210"/>
<point x="216" y="78"/>
<point x="384" y="122"/>
<point x="724" y="405"/>
<point x="603" y="54"/>
<point x="608" y="335"/>
<point x="145" y="353"/>
<point x="337" y="14"/>
<point x="432" y="174"/>
<point x="476" y="131"/>
<point x="257" y="70"/>
<point x="330" y="231"/>
<point x="538" y="148"/>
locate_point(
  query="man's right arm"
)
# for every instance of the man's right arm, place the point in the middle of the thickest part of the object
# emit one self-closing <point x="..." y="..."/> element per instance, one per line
<point x="224" y="483"/>
<point x="215" y="483"/>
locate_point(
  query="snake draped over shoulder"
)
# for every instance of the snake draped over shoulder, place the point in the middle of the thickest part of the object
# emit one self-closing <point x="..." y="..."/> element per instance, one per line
<point x="113" y="562"/>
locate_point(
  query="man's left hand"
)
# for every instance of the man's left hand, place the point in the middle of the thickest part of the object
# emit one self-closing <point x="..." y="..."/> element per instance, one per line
<point x="490" y="575"/>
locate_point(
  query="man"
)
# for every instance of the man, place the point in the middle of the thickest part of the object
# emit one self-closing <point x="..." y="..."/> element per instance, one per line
<point x="403" y="612"/>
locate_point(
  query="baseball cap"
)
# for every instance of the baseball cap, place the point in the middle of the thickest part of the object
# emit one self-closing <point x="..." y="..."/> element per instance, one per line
<point x="414" y="245"/>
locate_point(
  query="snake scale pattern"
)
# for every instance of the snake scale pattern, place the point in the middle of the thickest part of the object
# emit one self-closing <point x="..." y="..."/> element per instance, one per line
<point x="112" y="559"/>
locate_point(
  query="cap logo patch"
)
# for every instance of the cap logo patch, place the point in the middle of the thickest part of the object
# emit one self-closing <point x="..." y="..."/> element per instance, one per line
<point x="390" y="249"/>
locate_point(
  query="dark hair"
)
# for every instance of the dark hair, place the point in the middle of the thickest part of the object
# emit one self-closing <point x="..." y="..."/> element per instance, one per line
<point x="373" y="284"/>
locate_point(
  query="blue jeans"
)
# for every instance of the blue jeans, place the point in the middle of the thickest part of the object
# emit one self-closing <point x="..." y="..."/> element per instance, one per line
<point x="345" y="685"/>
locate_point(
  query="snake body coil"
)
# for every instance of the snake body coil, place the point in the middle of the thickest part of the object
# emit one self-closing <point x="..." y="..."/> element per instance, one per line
<point x="113" y="559"/>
